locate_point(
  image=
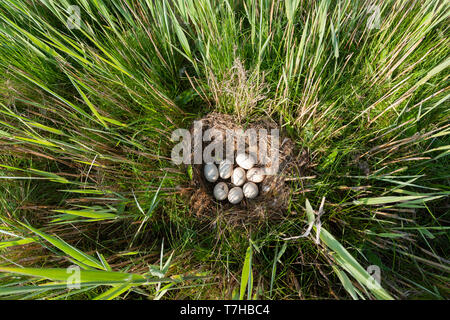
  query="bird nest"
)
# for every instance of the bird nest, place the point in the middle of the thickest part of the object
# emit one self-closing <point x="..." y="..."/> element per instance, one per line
<point x="272" y="201"/>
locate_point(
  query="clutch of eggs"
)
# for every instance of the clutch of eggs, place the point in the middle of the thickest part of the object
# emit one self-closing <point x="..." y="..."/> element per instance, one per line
<point x="244" y="178"/>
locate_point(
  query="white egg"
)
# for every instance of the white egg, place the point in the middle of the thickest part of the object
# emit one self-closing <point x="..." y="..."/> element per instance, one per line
<point x="238" y="177"/>
<point x="221" y="191"/>
<point x="255" y="175"/>
<point x="235" y="195"/>
<point x="225" y="169"/>
<point x="211" y="172"/>
<point x="250" y="190"/>
<point x="245" y="161"/>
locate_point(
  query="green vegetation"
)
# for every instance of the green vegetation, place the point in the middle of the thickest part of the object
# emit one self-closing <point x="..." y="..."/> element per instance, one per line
<point x="86" y="116"/>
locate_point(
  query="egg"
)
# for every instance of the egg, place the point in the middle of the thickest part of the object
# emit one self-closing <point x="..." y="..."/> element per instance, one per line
<point x="238" y="177"/>
<point x="255" y="175"/>
<point x="245" y="161"/>
<point x="211" y="173"/>
<point x="225" y="169"/>
<point x="235" y="195"/>
<point x="221" y="191"/>
<point x="250" y="190"/>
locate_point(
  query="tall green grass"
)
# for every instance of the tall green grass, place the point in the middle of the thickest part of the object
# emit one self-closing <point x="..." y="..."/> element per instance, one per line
<point x="85" y="121"/>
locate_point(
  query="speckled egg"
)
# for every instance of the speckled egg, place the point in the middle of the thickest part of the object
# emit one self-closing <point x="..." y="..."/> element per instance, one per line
<point x="225" y="169"/>
<point x="235" y="195"/>
<point x="238" y="177"/>
<point x="221" y="191"/>
<point x="255" y="175"/>
<point x="245" y="161"/>
<point x="211" y="173"/>
<point x="250" y="190"/>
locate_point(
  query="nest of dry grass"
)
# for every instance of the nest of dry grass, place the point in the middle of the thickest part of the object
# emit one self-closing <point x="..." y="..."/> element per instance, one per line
<point x="269" y="205"/>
